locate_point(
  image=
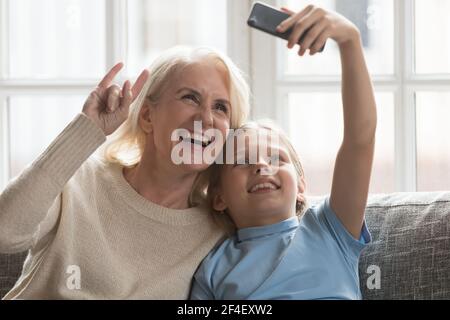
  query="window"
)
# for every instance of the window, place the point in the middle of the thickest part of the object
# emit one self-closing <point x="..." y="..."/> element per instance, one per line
<point x="407" y="50"/>
<point x="156" y="25"/>
<point x="54" y="39"/>
<point x="315" y="121"/>
<point x="433" y="132"/>
<point x="53" y="52"/>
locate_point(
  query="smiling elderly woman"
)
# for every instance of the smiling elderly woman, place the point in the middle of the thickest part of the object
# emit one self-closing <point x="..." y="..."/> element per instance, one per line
<point x="125" y="225"/>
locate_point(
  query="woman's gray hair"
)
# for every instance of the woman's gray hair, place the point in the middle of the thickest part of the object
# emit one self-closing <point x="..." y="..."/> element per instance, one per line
<point x="126" y="144"/>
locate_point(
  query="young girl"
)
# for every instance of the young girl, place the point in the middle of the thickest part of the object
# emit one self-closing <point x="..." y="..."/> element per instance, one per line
<point x="279" y="251"/>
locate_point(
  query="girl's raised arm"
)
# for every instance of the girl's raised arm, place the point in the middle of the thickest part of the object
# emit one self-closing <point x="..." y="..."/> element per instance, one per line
<point x="353" y="165"/>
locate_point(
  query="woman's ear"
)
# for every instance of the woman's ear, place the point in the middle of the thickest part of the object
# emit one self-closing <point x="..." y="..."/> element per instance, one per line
<point x="218" y="203"/>
<point x="145" y="121"/>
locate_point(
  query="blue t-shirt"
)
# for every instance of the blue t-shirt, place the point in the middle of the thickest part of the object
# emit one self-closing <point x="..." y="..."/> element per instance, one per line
<point x="314" y="258"/>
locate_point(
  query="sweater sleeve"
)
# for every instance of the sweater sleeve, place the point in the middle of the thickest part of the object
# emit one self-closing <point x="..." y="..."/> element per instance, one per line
<point x="33" y="198"/>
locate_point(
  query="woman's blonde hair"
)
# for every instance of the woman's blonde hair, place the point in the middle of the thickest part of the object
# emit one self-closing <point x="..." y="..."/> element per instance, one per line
<point x="215" y="171"/>
<point x="126" y="144"/>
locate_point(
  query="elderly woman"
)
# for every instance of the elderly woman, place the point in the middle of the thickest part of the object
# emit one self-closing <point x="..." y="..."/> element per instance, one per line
<point x="125" y="225"/>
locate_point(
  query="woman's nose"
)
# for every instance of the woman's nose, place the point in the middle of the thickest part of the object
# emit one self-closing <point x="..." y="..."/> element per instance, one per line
<point x="206" y="117"/>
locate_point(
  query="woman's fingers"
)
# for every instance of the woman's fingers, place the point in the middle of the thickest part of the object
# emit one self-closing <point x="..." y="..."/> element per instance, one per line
<point x="312" y="35"/>
<point x="139" y="84"/>
<point x="113" y="98"/>
<point x="109" y="77"/>
<point x="127" y="96"/>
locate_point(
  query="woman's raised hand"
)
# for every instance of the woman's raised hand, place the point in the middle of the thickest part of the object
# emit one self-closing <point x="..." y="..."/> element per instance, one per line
<point x="108" y="104"/>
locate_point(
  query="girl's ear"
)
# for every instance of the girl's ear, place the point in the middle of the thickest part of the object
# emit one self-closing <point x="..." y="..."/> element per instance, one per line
<point x="301" y="190"/>
<point x="218" y="203"/>
<point x="145" y="121"/>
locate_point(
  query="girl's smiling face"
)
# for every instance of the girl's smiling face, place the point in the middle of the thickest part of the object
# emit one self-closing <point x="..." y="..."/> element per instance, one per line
<point x="262" y="191"/>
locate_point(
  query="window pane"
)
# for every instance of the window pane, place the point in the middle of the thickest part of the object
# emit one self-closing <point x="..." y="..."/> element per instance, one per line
<point x="34" y="122"/>
<point x="433" y="141"/>
<point x="375" y="20"/>
<point x="154" y="26"/>
<point x="56" y="38"/>
<point x="432" y="34"/>
<point x="315" y="127"/>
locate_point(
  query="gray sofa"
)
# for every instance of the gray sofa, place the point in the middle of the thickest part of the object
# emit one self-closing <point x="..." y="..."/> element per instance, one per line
<point x="411" y="246"/>
<point x="409" y="257"/>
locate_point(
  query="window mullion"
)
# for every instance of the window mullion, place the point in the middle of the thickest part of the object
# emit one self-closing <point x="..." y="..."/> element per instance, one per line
<point x="116" y="33"/>
<point x="263" y="72"/>
<point x="4" y="39"/>
<point x="409" y="103"/>
<point x="238" y="34"/>
<point x="8" y="88"/>
<point x="4" y="71"/>
<point x="4" y="142"/>
<point x="405" y="123"/>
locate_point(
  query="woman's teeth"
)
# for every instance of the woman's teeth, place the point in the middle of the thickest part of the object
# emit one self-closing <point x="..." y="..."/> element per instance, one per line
<point x="198" y="140"/>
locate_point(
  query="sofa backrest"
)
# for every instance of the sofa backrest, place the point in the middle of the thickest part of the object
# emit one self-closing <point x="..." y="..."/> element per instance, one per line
<point x="409" y="257"/>
<point x="10" y="269"/>
<point x="410" y="247"/>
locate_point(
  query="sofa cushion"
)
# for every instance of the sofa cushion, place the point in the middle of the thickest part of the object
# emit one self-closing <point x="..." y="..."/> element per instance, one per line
<point x="411" y="246"/>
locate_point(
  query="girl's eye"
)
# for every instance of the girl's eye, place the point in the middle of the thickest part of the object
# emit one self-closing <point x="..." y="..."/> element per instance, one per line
<point x="284" y="158"/>
<point x="277" y="159"/>
<point x="242" y="162"/>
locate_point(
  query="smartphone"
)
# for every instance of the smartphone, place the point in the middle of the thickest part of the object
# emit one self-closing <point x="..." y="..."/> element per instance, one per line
<point x="266" y="18"/>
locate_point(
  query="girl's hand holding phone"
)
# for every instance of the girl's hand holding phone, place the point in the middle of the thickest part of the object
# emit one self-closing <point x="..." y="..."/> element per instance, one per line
<point x="320" y="25"/>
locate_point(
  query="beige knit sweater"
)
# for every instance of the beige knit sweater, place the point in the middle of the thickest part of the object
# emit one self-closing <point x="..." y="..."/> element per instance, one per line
<point x="90" y="235"/>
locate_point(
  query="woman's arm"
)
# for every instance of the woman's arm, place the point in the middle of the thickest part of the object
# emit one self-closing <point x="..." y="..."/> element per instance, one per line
<point x="25" y="203"/>
<point x="29" y="206"/>
<point x="354" y="160"/>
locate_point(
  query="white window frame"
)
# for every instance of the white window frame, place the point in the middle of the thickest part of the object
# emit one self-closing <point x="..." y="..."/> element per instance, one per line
<point x="270" y="88"/>
<point x="116" y="47"/>
<point x="238" y="43"/>
<point x="256" y="54"/>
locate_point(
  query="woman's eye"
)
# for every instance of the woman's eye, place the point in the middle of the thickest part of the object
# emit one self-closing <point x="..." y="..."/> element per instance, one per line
<point x="222" y="107"/>
<point x="191" y="97"/>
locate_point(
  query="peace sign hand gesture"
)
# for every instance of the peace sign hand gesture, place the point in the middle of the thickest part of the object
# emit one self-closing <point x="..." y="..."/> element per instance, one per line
<point x="108" y="105"/>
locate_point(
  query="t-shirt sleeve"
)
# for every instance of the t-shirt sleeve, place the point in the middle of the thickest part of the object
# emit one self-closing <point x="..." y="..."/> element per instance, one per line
<point x="201" y="283"/>
<point x="200" y="289"/>
<point x="350" y="246"/>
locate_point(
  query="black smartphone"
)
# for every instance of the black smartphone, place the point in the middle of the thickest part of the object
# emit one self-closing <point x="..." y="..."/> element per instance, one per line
<point x="266" y="18"/>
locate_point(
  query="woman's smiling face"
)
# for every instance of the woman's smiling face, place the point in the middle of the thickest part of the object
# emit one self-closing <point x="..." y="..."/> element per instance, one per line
<point x="197" y="92"/>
